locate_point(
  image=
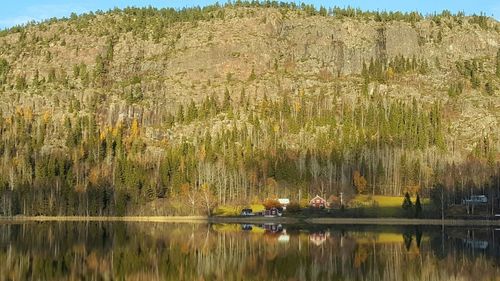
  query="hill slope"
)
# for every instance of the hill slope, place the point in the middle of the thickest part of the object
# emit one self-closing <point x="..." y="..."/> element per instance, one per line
<point x="103" y="113"/>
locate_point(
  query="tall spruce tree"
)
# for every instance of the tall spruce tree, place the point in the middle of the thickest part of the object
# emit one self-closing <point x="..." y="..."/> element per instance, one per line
<point x="418" y="207"/>
<point x="407" y="204"/>
<point x="498" y="63"/>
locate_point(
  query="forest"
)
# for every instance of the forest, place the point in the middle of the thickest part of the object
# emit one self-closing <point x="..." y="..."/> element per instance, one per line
<point x="230" y="146"/>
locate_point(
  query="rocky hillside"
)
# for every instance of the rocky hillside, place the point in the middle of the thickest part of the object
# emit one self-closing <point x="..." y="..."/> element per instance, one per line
<point x="237" y="92"/>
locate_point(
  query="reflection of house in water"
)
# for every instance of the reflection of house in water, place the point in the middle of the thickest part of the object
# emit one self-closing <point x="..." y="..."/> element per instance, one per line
<point x="318" y="238"/>
<point x="269" y="229"/>
<point x="284" y="237"/>
<point x="476" y="244"/>
<point x="475" y="241"/>
<point x="272" y="228"/>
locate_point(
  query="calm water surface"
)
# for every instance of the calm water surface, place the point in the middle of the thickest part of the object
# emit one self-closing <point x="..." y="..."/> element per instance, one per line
<point x="166" y="251"/>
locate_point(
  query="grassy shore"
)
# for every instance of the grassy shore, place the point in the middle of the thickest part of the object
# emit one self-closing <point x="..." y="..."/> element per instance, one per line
<point x="180" y="219"/>
<point x="254" y="220"/>
<point x="397" y="221"/>
<point x="377" y="206"/>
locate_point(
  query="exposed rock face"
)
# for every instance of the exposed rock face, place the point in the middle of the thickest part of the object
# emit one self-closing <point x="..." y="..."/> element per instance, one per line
<point x="284" y="52"/>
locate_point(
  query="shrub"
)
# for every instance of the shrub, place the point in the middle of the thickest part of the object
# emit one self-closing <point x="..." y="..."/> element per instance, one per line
<point x="293" y="207"/>
<point x="270" y="203"/>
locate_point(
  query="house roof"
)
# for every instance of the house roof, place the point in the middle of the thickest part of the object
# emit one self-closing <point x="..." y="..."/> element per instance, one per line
<point x="317" y="197"/>
<point x="284" y="201"/>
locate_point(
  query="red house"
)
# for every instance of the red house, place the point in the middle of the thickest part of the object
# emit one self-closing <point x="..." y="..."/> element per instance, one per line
<point x="317" y="202"/>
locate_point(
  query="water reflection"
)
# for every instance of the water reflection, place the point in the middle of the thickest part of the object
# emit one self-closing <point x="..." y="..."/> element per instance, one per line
<point x="156" y="251"/>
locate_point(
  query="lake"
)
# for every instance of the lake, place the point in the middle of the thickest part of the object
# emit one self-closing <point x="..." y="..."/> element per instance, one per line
<point x="199" y="251"/>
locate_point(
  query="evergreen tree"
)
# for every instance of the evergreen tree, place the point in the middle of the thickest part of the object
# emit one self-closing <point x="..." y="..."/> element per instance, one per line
<point x="407" y="204"/>
<point x="364" y="72"/>
<point x="498" y="64"/>
<point x="21" y="83"/>
<point x="323" y="11"/>
<point x="36" y="79"/>
<point x="52" y="75"/>
<point x="180" y="114"/>
<point x="227" y="100"/>
<point x="418" y="207"/>
<point x="4" y="69"/>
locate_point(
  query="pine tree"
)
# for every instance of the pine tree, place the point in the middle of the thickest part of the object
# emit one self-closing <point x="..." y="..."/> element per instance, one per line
<point x="192" y="112"/>
<point x="180" y="114"/>
<point x="407" y="204"/>
<point x="36" y="79"/>
<point x="323" y="11"/>
<point x="4" y="69"/>
<point x="52" y="75"/>
<point x="489" y="88"/>
<point x="227" y="100"/>
<point x="99" y="68"/>
<point x="418" y="207"/>
<point x="21" y="83"/>
<point x="364" y="72"/>
<point x="498" y="64"/>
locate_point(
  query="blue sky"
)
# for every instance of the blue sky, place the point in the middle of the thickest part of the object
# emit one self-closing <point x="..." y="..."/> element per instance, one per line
<point x="22" y="11"/>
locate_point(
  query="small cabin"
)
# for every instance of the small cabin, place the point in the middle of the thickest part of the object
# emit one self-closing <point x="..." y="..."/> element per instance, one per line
<point x="318" y="202"/>
<point x="273" y="212"/>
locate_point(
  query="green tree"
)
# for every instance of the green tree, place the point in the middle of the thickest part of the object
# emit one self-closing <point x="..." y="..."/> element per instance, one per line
<point x="4" y="69"/>
<point x="323" y="11"/>
<point x="418" y="207"/>
<point x="99" y="69"/>
<point x="21" y="83"/>
<point x="438" y="198"/>
<point x="489" y="88"/>
<point x="180" y="114"/>
<point x="36" y="79"/>
<point x="498" y="64"/>
<point x="359" y="182"/>
<point x="52" y="75"/>
<point x="407" y="204"/>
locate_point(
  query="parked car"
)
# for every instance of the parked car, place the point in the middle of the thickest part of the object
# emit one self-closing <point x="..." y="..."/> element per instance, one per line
<point x="247" y="212"/>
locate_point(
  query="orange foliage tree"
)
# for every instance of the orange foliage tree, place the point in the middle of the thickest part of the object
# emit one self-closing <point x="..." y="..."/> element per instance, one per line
<point x="270" y="203"/>
<point x="359" y="181"/>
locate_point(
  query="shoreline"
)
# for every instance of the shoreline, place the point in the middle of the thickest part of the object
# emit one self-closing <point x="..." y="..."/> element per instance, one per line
<point x="171" y="219"/>
<point x="254" y="220"/>
<point x="399" y="221"/>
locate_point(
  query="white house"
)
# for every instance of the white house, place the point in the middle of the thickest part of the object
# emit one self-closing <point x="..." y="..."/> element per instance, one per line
<point x="284" y="202"/>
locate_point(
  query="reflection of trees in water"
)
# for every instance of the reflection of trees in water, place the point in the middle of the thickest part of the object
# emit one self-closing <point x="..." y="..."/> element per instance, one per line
<point x="149" y="251"/>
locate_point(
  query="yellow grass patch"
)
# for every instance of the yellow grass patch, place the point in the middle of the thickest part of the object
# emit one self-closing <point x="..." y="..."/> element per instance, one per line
<point x="235" y="210"/>
<point x="387" y="201"/>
